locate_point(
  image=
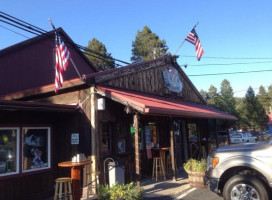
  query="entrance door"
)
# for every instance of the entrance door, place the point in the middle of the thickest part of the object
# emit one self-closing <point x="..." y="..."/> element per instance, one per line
<point x="178" y="143"/>
<point x="184" y="140"/>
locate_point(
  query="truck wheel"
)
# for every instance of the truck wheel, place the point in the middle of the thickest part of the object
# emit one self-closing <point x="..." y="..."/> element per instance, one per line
<point x="245" y="187"/>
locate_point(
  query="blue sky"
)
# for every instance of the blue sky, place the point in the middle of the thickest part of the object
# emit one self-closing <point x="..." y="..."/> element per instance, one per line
<point x="227" y="29"/>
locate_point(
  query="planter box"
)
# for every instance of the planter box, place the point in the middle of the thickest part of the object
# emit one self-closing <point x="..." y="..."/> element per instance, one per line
<point x="196" y="179"/>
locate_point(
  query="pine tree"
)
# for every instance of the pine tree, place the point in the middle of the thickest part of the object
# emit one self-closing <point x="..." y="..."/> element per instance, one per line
<point x="252" y="112"/>
<point x="228" y="100"/>
<point x="104" y="60"/>
<point x="264" y="98"/>
<point x="147" y="45"/>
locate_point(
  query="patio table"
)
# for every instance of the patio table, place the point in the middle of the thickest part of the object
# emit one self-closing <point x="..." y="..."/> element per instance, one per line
<point x="75" y="175"/>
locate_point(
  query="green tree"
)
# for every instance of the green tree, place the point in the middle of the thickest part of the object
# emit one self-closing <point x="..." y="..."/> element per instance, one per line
<point x="264" y="98"/>
<point x="228" y="101"/>
<point x="147" y="45"/>
<point x="269" y="93"/>
<point x="252" y="112"/>
<point x="203" y="94"/>
<point x="101" y="58"/>
<point x="212" y="97"/>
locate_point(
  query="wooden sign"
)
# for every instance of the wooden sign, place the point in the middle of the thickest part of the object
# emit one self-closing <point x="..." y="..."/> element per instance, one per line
<point x="172" y="80"/>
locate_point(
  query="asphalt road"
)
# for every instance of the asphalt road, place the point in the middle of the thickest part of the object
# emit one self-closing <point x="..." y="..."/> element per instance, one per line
<point x="197" y="194"/>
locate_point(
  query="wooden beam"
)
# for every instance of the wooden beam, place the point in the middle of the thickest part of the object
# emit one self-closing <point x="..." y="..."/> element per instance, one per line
<point x="172" y="147"/>
<point x="137" y="150"/>
<point x="94" y="134"/>
<point x="215" y="133"/>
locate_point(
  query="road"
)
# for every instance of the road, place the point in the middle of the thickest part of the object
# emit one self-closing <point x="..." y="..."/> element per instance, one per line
<point x="197" y="194"/>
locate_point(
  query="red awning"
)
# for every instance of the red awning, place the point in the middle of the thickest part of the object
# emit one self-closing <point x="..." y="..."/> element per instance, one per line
<point x="151" y="104"/>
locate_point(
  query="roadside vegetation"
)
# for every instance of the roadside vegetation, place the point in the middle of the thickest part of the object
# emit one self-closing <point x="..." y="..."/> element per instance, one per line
<point x="250" y="110"/>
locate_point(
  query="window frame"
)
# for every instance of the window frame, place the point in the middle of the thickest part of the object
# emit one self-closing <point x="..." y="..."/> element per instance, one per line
<point x="48" y="147"/>
<point x="17" y="151"/>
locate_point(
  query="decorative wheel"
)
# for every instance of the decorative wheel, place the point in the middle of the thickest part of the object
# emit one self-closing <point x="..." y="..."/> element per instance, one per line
<point x="244" y="191"/>
<point x="245" y="187"/>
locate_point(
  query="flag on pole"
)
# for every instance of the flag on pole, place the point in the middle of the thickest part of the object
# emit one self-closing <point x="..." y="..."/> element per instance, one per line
<point x="192" y="37"/>
<point x="62" y="55"/>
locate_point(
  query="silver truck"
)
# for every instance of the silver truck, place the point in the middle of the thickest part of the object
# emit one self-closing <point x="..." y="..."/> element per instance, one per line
<point x="241" y="171"/>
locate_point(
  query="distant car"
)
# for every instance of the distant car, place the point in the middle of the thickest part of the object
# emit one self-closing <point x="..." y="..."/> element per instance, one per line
<point x="242" y="138"/>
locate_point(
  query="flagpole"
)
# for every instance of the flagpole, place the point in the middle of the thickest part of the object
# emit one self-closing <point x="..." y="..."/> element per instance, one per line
<point x="184" y="40"/>
<point x="76" y="69"/>
<point x="80" y="77"/>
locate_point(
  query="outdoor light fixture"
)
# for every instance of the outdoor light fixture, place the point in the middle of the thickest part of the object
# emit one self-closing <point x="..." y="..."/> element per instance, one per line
<point x="128" y="109"/>
<point x="101" y="105"/>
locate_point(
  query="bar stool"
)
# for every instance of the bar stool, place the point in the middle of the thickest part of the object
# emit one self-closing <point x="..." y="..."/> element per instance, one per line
<point x="158" y="168"/>
<point x="92" y="183"/>
<point x="66" y="182"/>
<point x="169" y="165"/>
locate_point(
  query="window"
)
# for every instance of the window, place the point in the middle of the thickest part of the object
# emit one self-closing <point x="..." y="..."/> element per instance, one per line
<point x="36" y="148"/>
<point x="9" y="151"/>
<point x="236" y="136"/>
<point x="106" y="140"/>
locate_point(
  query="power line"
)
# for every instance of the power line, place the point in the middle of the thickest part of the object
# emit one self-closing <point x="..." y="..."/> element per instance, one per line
<point x="30" y="25"/>
<point x="14" y="31"/>
<point x="247" y="63"/>
<point x="228" y="73"/>
<point x="17" y="27"/>
<point x="24" y="26"/>
<point x="252" y="88"/>
<point x="230" y="58"/>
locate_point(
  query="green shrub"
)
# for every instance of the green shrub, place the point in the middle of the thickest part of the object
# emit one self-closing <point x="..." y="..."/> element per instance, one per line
<point x="117" y="191"/>
<point x="193" y="165"/>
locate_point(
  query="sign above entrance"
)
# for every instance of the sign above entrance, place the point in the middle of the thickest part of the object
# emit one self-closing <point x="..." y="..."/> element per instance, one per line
<point x="172" y="80"/>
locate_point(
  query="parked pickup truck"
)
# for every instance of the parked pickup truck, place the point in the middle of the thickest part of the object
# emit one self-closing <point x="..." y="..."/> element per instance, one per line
<point x="241" y="171"/>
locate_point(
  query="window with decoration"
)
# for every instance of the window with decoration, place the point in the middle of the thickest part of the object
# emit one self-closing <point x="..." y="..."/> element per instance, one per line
<point x="9" y="151"/>
<point x="36" y="149"/>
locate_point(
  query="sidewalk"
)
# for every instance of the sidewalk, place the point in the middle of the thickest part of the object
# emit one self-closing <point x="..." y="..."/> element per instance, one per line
<point x="165" y="189"/>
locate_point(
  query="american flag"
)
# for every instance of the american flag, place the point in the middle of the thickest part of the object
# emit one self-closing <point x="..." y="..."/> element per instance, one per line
<point x="62" y="55"/>
<point x="192" y="37"/>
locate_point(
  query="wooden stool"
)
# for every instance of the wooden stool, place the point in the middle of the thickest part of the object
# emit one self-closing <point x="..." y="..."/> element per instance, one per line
<point x="66" y="181"/>
<point x="169" y="165"/>
<point x="92" y="183"/>
<point x="158" y="168"/>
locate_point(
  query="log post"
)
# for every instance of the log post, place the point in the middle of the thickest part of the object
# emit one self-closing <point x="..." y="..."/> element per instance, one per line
<point x="95" y="145"/>
<point x="172" y="147"/>
<point x="137" y="150"/>
<point x="215" y="134"/>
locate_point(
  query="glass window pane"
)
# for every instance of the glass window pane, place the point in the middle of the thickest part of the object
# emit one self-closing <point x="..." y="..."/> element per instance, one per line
<point x="9" y="140"/>
<point x="36" y="149"/>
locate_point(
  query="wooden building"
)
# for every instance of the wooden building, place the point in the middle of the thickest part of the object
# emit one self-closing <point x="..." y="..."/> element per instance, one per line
<point x="121" y="113"/>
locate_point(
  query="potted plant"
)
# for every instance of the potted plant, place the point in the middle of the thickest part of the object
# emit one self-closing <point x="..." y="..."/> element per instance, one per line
<point x="196" y="171"/>
<point x="120" y="192"/>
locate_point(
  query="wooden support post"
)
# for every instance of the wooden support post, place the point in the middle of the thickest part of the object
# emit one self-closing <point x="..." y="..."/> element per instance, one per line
<point x="215" y="134"/>
<point x="95" y="145"/>
<point x="172" y="150"/>
<point x="137" y="150"/>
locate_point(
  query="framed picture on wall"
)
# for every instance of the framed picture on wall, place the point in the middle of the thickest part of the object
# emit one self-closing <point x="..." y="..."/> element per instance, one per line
<point x="121" y="145"/>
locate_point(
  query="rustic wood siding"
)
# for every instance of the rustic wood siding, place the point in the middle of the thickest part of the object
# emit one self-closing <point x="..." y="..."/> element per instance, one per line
<point x="151" y="81"/>
<point x="40" y="184"/>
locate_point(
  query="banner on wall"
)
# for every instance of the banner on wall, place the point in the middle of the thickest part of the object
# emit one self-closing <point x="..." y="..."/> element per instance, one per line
<point x="147" y="141"/>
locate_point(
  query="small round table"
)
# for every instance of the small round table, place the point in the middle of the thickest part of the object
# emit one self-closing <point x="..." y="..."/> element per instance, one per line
<point x="75" y="175"/>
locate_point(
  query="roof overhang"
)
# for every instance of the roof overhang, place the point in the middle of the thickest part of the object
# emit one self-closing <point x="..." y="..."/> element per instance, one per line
<point x="35" y="106"/>
<point x="155" y="105"/>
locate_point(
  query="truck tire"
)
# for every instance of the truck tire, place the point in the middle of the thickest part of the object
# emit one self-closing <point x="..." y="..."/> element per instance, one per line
<point x="245" y="187"/>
